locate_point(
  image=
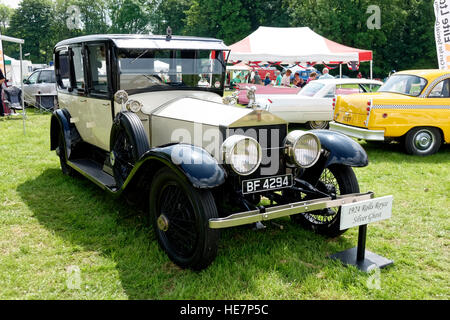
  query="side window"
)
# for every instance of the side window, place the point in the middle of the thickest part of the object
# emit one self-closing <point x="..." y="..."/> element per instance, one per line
<point x="331" y="93"/>
<point x="441" y="90"/>
<point x="78" y="69"/>
<point x="33" y="78"/>
<point x="45" y="77"/>
<point x="62" y="69"/>
<point x="98" y="68"/>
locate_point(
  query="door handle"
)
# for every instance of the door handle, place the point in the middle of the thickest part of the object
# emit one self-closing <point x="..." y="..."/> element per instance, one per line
<point x="106" y="104"/>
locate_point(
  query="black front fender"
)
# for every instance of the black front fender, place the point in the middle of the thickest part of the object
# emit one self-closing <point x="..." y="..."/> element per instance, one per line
<point x="60" y="120"/>
<point x="341" y="149"/>
<point x="194" y="163"/>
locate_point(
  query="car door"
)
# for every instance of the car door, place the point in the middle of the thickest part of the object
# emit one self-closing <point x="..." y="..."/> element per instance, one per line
<point x="99" y="98"/>
<point x="437" y="103"/>
<point x="46" y="82"/>
<point x="30" y="88"/>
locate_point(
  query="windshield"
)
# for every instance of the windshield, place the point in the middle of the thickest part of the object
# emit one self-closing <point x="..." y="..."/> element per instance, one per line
<point x="311" y="89"/>
<point x="404" y="84"/>
<point x="166" y="69"/>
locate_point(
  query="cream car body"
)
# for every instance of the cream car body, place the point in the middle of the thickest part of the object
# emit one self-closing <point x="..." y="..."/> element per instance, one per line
<point x="142" y="116"/>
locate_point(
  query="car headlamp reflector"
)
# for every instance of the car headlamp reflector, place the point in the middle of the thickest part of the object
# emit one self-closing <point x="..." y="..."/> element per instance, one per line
<point x="242" y="153"/>
<point x="302" y="148"/>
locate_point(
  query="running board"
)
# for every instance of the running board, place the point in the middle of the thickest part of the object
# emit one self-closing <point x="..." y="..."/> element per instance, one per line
<point x="94" y="172"/>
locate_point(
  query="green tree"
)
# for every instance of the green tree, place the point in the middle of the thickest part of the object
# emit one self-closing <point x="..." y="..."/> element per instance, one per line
<point x="233" y="20"/>
<point x="171" y="13"/>
<point x="405" y="38"/>
<point x="31" y="21"/>
<point x="5" y="16"/>
<point x="131" y="16"/>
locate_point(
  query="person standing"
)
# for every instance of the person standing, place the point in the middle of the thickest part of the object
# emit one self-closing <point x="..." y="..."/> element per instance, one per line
<point x="298" y="82"/>
<point x="279" y="78"/>
<point x="286" y="80"/>
<point x="326" y="74"/>
<point x="2" y="80"/>
<point x="257" y="78"/>
<point x="312" y="77"/>
<point x="267" y="80"/>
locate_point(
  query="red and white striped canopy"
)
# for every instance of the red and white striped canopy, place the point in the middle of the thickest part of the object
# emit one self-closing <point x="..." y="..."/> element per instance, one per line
<point x="294" y="45"/>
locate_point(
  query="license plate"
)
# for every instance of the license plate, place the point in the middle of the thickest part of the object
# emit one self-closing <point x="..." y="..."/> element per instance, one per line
<point x="267" y="184"/>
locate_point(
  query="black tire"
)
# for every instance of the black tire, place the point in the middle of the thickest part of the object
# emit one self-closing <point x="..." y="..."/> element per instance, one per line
<point x="180" y="216"/>
<point x="61" y="152"/>
<point x="317" y="125"/>
<point x="423" y="141"/>
<point x="128" y="143"/>
<point x="338" y="179"/>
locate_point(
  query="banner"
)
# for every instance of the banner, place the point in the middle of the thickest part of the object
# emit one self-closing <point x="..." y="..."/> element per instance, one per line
<point x="442" y="32"/>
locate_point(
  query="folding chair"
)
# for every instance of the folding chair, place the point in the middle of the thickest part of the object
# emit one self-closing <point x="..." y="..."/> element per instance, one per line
<point x="12" y="100"/>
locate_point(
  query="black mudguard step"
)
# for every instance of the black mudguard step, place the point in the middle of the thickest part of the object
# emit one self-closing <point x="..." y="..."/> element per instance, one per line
<point x="95" y="171"/>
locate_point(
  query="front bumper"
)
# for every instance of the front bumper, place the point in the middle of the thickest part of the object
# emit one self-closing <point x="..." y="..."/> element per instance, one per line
<point x="275" y="212"/>
<point x="356" y="132"/>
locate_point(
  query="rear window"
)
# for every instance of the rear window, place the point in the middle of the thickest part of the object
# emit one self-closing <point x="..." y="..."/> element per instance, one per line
<point x="404" y="84"/>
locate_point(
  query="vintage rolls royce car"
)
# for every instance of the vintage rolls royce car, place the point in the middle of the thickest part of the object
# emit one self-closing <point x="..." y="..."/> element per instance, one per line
<point x="314" y="103"/>
<point x="142" y="116"/>
<point x="412" y="107"/>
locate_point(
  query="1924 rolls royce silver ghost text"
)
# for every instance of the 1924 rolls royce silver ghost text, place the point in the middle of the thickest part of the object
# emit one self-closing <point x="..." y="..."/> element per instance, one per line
<point x="143" y="117"/>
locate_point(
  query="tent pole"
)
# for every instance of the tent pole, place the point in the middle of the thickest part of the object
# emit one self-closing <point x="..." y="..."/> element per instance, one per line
<point x="340" y="70"/>
<point x="21" y="86"/>
<point x="371" y="69"/>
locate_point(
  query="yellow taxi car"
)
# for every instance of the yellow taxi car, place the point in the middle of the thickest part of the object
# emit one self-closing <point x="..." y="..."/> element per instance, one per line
<point x="412" y="107"/>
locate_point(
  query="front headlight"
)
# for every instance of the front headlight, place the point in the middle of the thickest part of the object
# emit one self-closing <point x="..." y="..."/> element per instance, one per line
<point x="242" y="153"/>
<point x="134" y="106"/>
<point x="302" y="148"/>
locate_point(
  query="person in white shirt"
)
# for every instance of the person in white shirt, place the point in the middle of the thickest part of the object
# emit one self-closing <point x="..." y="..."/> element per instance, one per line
<point x="326" y="74"/>
<point x="286" y="80"/>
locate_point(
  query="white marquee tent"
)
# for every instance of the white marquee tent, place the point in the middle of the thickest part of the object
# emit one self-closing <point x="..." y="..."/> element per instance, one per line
<point x="294" y="45"/>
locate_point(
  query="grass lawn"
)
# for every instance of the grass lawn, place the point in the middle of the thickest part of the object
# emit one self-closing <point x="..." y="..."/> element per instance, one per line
<point x="51" y="225"/>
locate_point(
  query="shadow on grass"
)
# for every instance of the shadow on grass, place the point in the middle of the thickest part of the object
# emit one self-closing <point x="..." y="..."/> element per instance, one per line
<point x="82" y="214"/>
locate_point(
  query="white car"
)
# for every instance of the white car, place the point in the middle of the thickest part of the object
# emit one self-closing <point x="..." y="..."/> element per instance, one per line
<point x="313" y="104"/>
<point x="41" y="81"/>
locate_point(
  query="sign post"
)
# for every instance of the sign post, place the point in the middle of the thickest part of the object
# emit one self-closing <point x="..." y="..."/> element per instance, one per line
<point x="361" y="214"/>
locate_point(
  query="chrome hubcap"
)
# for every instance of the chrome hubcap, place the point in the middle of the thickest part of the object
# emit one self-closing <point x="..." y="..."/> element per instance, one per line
<point x="163" y="223"/>
<point x="423" y="140"/>
<point x="318" y="124"/>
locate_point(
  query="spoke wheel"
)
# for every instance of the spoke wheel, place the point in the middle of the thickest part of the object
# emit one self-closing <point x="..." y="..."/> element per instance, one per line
<point x="180" y="216"/>
<point x="318" y="124"/>
<point x="128" y="143"/>
<point x="61" y="152"/>
<point x="122" y="157"/>
<point x="334" y="181"/>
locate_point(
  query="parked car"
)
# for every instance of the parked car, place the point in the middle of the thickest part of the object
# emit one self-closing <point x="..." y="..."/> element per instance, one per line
<point x="313" y="104"/>
<point x="412" y="107"/>
<point x="195" y="164"/>
<point x="41" y="81"/>
<point x="262" y="89"/>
